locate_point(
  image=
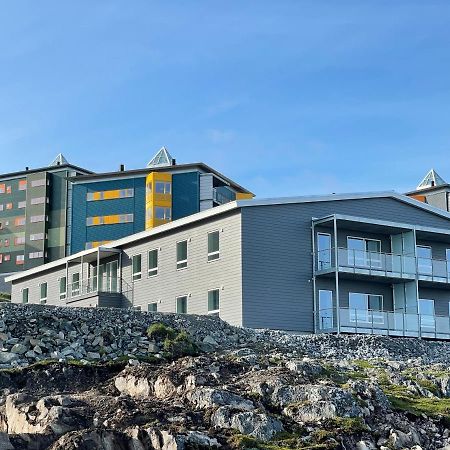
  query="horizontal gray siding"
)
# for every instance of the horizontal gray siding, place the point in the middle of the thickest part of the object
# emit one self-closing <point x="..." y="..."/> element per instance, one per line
<point x="52" y="278"/>
<point x="200" y="275"/>
<point x="277" y="261"/>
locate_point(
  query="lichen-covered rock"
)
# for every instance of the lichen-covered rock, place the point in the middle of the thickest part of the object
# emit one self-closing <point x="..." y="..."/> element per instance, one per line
<point x="258" y="425"/>
<point x="206" y="397"/>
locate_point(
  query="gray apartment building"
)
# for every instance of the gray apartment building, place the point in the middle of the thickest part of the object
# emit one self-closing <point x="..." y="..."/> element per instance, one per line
<point x="359" y="263"/>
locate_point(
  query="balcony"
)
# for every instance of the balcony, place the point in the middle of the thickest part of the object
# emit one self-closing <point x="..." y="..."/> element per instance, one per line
<point x="387" y="323"/>
<point x="221" y="197"/>
<point x="386" y="265"/>
<point x="106" y="287"/>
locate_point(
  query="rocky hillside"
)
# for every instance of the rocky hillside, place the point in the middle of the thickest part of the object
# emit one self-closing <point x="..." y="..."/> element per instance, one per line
<point x="121" y="380"/>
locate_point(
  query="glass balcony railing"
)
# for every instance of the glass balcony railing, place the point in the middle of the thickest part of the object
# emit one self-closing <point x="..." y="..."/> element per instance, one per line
<point x="383" y="264"/>
<point x="383" y="322"/>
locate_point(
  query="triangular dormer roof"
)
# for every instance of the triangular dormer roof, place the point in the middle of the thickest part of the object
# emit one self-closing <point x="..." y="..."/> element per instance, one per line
<point x="161" y="159"/>
<point x="59" y="160"/>
<point x="431" y="179"/>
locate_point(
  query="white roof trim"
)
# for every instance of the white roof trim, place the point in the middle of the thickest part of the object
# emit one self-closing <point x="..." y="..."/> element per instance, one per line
<point x="229" y="207"/>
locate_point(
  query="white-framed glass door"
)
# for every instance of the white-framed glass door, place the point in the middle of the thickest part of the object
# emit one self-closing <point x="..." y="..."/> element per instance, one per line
<point x="426" y="314"/>
<point x="325" y="309"/>
<point x="447" y="259"/>
<point x="424" y="260"/>
<point x="356" y="251"/>
<point x="323" y="251"/>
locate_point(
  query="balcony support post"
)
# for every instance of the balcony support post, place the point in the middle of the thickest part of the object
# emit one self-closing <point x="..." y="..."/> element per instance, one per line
<point x="336" y="276"/>
<point x="316" y="312"/>
<point x="67" y="282"/>
<point x="98" y="269"/>
<point x="81" y="275"/>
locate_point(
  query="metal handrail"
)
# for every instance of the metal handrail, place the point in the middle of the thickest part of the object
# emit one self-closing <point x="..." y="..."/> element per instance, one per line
<point x="390" y="263"/>
<point x="390" y="322"/>
<point x="89" y="286"/>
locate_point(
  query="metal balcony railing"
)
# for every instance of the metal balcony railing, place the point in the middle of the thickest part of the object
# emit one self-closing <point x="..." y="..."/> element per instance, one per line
<point x="383" y="264"/>
<point x="388" y="323"/>
<point x="221" y="198"/>
<point x="109" y="285"/>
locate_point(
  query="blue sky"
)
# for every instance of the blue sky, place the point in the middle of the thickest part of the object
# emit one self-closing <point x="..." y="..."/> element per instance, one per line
<point x="287" y="97"/>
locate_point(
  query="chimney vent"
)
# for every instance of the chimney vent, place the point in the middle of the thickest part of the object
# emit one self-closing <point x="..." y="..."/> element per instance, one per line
<point x="27" y="168"/>
<point x="174" y="162"/>
<point x="122" y="168"/>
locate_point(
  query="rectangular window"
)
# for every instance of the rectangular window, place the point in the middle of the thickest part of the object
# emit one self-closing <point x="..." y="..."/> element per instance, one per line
<point x="43" y="293"/>
<point x="323" y="251"/>
<point x="6" y="242"/>
<point x="424" y="260"/>
<point x="136" y="263"/>
<point x="35" y="255"/>
<point x="22" y="204"/>
<point x="8" y="189"/>
<point x="37" y="183"/>
<point x="22" y="185"/>
<point x="213" y="301"/>
<point x="153" y="262"/>
<point x="109" y="220"/>
<point x="182" y="254"/>
<point x="152" y="307"/>
<point x="364" y="252"/>
<point x="37" y="237"/>
<point x="213" y="246"/>
<point x="426" y="314"/>
<point x="364" y="307"/>
<point x="182" y="304"/>
<point x="325" y="309"/>
<point x="2" y="188"/>
<point x="20" y="259"/>
<point x="447" y="257"/>
<point x="62" y="288"/>
<point x="7" y="257"/>
<point x="75" y="284"/>
<point x="162" y="187"/>
<point x="9" y="206"/>
<point x="25" y="293"/>
<point x="19" y="240"/>
<point x="163" y="213"/>
<point x="110" y="195"/>
<point x="38" y="200"/>
<point x="19" y="221"/>
<point x="2" y="207"/>
<point x="36" y="219"/>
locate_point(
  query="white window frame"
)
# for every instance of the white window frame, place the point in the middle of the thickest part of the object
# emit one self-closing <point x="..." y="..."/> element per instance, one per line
<point x="62" y="295"/>
<point x="419" y="258"/>
<point x="43" y="300"/>
<point x="427" y="321"/>
<point x="165" y="185"/>
<point x="214" y="253"/>
<point x="28" y="295"/>
<point x="180" y="264"/>
<point x="186" y="296"/>
<point x="154" y="269"/>
<point x="136" y="276"/>
<point x="166" y="209"/>
<point x="327" y="313"/>
<point x="213" y="311"/>
<point x="75" y="292"/>
<point x="368" y="262"/>
<point x="319" y="233"/>
<point x="364" y="314"/>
